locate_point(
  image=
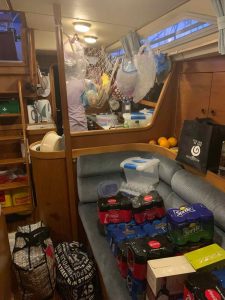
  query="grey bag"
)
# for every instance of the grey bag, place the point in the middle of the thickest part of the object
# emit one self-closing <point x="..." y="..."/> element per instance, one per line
<point x="34" y="262"/>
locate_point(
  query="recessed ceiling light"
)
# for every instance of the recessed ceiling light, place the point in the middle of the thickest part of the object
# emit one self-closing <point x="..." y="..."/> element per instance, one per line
<point x="81" y="26"/>
<point x="90" y="39"/>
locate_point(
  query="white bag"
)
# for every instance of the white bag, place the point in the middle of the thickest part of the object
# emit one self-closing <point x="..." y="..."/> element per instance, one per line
<point x="146" y="72"/>
<point x="126" y="78"/>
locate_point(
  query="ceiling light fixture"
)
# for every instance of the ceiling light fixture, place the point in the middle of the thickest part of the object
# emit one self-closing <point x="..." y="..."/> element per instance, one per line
<point x="81" y="26"/>
<point x="90" y="39"/>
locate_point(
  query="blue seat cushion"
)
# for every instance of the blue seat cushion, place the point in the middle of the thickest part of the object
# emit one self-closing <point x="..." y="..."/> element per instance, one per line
<point x="115" y="285"/>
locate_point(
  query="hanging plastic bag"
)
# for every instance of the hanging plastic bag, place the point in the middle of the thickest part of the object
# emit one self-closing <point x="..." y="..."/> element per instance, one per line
<point x="163" y="66"/>
<point x="75" y="60"/>
<point x="126" y="78"/>
<point x="90" y="95"/>
<point x="146" y="72"/>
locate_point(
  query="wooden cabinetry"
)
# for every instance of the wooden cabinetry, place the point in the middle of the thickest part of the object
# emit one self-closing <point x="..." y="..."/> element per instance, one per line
<point x="5" y="261"/>
<point x="193" y="97"/>
<point x="200" y="95"/>
<point x="14" y="151"/>
<point x="217" y="98"/>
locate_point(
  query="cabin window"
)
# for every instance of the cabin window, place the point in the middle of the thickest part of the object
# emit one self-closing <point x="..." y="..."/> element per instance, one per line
<point x="185" y="30"/>
<point x="10" y="36"/>
<point x="177" y="31"/>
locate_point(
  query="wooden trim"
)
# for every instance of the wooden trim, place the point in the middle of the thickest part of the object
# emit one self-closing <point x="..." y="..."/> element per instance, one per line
<point x="17" y="67"/>
<point x="25" y="141"/>
<point x="68" y="146"/>
<point x="17" y="209"/>
<point x="32" y="57"/>
<point x="148" y="103"/>
<point x="214" y="179"/>
<point x="128" y="130"/>
<point x="45" y="155"/>
<point x="53" y="97"/>
<point x="9" y="4"/>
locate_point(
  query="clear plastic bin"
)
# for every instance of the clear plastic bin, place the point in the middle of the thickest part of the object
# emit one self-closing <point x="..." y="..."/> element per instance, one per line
<point x="141" y="173"/>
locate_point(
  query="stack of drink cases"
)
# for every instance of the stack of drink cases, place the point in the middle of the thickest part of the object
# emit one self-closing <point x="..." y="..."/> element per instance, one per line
<point x="139" y="229"/>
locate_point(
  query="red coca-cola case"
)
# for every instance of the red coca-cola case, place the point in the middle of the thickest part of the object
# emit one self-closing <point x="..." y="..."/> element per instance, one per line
<point x="148" y="207"/>
<point x="116" y="209"/>
<point x="203" y="286"/>
<point x="144" y="249"/>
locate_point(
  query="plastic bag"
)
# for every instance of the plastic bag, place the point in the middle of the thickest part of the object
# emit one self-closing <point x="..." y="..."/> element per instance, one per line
<point x="163" y="66"/>
<point x="146" y="72"/>
<point x="75" y="60"/>
<point x="126" y="78"/>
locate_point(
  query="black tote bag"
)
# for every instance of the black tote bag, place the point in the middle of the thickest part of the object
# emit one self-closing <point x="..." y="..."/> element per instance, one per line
<point x="200" y="144"/>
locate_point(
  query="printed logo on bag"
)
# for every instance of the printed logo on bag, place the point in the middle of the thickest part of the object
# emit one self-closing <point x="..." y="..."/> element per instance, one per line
<point x="195" y="150"/>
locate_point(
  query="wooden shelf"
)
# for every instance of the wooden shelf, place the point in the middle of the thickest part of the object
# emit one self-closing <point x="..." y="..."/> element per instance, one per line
<point x="11" y="127"/>
<point x="7" y="138"/>
<point x="12" y="161"/>
<point x="12" y="186"/>
<point x="17" y="209"/>
<point x="10" y="115"/>
<point x="148" y="103"/>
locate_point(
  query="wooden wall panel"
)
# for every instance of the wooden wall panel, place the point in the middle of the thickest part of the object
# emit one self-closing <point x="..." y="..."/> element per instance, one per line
<point x="217" y="99"/>
<point x="203" y="65"/>
<point x="5" y="262"/>
<point x="50" y="182"/>
<point x="193" y="97"/>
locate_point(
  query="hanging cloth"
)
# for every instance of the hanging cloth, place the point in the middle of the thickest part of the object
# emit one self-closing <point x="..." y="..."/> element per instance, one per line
<point x="219" y="6"/>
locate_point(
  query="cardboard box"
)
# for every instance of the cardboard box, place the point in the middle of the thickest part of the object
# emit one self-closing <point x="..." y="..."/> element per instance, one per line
<point x="206" y="258"/>
<point x="168" y="273"/>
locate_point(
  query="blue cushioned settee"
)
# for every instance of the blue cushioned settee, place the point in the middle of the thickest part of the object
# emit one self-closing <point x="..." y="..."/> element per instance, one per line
<point x="177" y="187"/>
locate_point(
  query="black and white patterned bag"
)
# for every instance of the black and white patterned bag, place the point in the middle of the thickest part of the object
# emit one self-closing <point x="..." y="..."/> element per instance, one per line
<point x="75" y="272"/>
<point x="34" y="262"/>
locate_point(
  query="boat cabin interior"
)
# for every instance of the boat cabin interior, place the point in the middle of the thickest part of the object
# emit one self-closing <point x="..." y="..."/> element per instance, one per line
<point x="106" y="108"/>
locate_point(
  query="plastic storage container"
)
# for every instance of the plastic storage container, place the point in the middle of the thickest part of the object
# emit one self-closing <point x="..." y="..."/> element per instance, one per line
<point x="139" y="119"/>
<point x="193" y="223"/>
<point x="141" y="173"/>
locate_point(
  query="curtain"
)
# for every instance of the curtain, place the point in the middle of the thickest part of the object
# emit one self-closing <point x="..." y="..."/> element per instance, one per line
<point x="219" y="6"/>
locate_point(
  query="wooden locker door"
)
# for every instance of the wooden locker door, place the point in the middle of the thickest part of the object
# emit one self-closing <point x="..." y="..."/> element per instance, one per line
<point x="217" y="99"/>
<point x="193" y="98"/>
<point x="5" y="261"/>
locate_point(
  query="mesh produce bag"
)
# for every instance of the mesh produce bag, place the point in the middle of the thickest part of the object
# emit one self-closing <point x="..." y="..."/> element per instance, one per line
<point x="75" y="272"/>
<point x="34" y="262"/>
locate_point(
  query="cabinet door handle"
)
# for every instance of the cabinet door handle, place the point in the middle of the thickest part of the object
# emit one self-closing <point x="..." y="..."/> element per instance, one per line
<point x="203" y="111"/>
<point x="213" y="112"/>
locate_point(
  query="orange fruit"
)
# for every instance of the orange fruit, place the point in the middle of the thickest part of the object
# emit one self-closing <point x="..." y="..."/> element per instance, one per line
<point x="164" y="143"/>
<point x="162" y="138"/>
<point x="152" y="142"/>
<point x="173" y="141"/>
